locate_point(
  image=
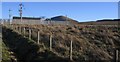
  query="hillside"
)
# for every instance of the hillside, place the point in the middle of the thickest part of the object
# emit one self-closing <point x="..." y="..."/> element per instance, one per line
<point x="108" y="20"/>
<point x="102" y="22"/>
<point x="64" y="18"/>
<point x="89" y="43"/>
<point x="98" y="22"/>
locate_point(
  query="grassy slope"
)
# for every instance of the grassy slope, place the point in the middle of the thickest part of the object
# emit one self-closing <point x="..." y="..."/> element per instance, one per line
<point x="89" y="43"/>
<point x="6" y="57"/>
<point x="26" y="49"/>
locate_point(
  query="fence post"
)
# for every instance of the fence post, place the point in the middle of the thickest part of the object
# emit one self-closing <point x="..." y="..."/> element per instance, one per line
<point x="116" y="56"/>
<point x="29" y="33"/>
<point x="12" y="27"/>
<point x="19" y="29"/>
<point x="51" y="42"/>
<point x="16" y="28"/>
<point x="38" y="37"/>
<point x="24" y="31"/>
<point x="71" y="49"/>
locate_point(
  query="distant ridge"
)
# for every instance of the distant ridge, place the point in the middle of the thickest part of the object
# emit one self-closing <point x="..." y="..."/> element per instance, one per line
<point x="108" y="20"/>
<point x="102" y="22"/>
<point x="60" y="18"/>
<point x="64" y="18"/>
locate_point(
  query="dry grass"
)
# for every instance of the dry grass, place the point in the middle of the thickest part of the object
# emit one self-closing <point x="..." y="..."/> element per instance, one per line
<point x="89" y="42"/>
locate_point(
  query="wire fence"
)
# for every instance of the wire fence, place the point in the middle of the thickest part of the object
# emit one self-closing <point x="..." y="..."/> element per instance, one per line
<point x="34" y="34"/>
<point x="49" y="40"/>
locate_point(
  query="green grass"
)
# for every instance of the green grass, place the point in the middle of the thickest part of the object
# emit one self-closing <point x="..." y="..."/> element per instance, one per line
<point x="5" y="53"/>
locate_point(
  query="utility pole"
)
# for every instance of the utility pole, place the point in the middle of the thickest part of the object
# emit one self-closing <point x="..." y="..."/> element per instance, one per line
<point x="20" y="10"/>
<point x="9" y="16"/>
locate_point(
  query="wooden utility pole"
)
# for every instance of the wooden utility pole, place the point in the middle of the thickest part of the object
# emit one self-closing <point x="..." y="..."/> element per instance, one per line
<point x="38" y="41"/>
<point x="71" y="49"/>
<point x="50" y="42"/>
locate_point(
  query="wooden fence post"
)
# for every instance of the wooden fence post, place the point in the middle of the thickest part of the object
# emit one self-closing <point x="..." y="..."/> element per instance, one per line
<point x="51" y="42"/>
<point x="38" y="37"/>
<point x="12" y="27"/>
<point x="24" y="31"/>
<point x="29" y="33"/>
<point x="71" y="49"/>
<point x="19" y="28"/>
<point x="116" y="56"/>
<point x="16" y="28"/>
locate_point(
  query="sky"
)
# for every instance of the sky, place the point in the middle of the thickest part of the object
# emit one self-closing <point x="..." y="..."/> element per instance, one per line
<point x="0" y="10"/>
<point x="80" y="11"/>
<point x="119" y="10"/>
<point x="60" y="0"/>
